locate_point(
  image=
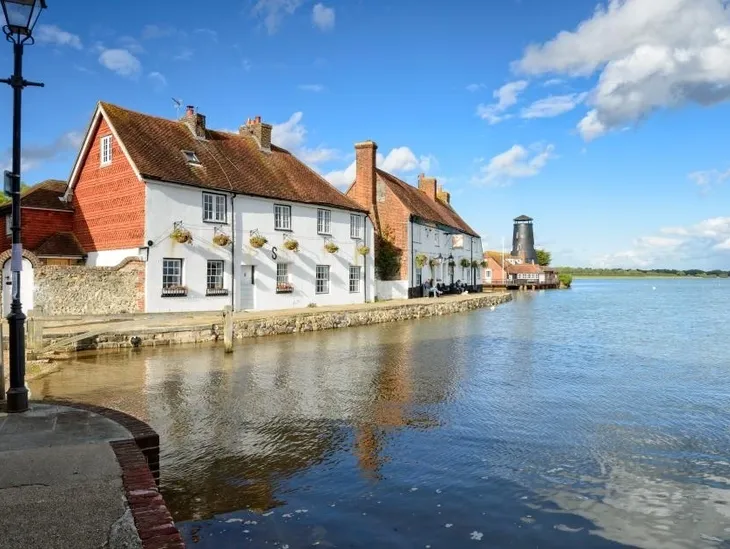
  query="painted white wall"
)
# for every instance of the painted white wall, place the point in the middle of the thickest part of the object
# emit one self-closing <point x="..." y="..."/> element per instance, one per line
<point x="110" y="258"/>
<point x="167" y="204"/>
<point x="257" y="214"/>
<point x="431" y="241"/>
<point x="27" y="287"/>
<point x="391" y="289"/>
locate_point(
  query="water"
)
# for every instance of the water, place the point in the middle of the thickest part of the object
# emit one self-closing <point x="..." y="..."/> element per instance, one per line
<point x="594" y="418"/>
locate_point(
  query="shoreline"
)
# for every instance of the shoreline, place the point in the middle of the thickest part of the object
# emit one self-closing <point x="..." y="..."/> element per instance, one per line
<point x="653" y="277"/>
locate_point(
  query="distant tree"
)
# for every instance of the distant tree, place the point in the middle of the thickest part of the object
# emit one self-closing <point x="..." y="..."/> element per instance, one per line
<point x="565" y="279"/>
<point x="543" y="257"/>
<point x="4" y="199"/>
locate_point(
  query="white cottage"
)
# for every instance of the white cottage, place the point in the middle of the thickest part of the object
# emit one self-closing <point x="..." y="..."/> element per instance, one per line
<point x="220" y="218"/>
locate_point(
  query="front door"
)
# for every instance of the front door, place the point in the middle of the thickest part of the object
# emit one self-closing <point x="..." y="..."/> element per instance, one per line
<point x="248" y="287"/>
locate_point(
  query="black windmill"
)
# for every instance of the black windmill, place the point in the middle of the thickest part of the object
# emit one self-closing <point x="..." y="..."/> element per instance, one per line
<point x="523" y="239"/>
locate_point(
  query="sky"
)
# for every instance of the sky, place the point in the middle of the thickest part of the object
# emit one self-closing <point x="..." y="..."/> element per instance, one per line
<point x="602" y="121"/>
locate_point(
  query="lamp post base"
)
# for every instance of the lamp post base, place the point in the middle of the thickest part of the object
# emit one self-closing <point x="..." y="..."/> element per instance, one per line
<point x="17" y="400"/>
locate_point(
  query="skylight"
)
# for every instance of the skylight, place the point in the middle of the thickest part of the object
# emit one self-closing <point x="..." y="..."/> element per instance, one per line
<point x="191" y="157"/>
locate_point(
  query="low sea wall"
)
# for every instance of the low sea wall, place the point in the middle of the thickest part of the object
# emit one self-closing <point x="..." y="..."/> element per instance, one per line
<point x="255" y="324"/>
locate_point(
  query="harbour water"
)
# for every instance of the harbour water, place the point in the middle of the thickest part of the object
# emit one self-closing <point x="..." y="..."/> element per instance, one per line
<point x="597" y="417"/>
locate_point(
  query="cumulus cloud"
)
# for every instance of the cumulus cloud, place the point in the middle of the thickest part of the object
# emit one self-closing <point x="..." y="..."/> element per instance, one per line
<point x="120" y="61"/>
<point x="33" y="156"/>
<point x="323" y="17"/>
<point x="553" y="105"/>
<point x="506" y="96"/>
<point x="292" y="134"/>
<point x="649" y="55"/>
<point x="400" y="161"/>
<point x="273" y="12"/>
<point x="516" y="163"/>
<point x="52" y="34"/>
<point x="704" y="245"/>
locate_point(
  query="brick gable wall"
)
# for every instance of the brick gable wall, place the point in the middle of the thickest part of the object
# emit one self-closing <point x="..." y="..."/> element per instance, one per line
<point x="36" y="226"/>
<point x="109" y="201"/>
<point x="393" y="217"/>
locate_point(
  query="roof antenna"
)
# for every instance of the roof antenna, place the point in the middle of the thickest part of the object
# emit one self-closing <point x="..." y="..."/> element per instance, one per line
<point x="178" y="106"/>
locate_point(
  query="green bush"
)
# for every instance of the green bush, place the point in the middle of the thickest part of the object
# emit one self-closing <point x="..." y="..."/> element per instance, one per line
<point x="565" y="279"/>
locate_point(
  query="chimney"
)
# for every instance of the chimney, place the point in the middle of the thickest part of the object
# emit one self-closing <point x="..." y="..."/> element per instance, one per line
<point x="260" y="131"/>
<point x="428" y="186"/>
<point x="444" y="196"/>
<point x="194" y="121"/>
<point x="364" y="192"/>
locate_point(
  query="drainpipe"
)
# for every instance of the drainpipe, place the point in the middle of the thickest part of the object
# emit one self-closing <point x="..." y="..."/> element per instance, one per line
<point x="233" y="253"/>
<point x="365" y="261"/>
<point x="471" y="261"/>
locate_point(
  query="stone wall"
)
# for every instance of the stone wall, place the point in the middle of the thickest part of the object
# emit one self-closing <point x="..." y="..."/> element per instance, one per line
<point x="79" y="290"/>
<point x="311" y="322"/>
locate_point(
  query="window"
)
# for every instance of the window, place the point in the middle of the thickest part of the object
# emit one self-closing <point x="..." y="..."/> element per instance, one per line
<point x="283" y="286"/>
<point x="324" y="218"/>
<point x="105" y="150"/>
<point x="436" y="239"/>
<point x="282" y="217"/>
<point x="416" y="233"/>
<point x="214" y="207"/>
<point x="356" y="226"/>
<point x="172" y="278"/>
<point x="214" y="277"/>
<point x="8" y="224"/>
<point x="191" y="157"/>
<point x="354" y="279"/>
<point x="419" y="277"/>
<point x="488" y="273"/>
<point x="322" y="284"/>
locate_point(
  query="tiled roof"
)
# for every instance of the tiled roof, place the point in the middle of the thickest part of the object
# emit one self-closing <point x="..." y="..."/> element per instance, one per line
<point x="421" y="205"/>
<point x="60" y="244"/>
<point x="228" y="161"/>
<point x="523" y="218"/>
<point x="523" y="268"/>
<point x="497" y="256"/>
<point x="46" y="194"/>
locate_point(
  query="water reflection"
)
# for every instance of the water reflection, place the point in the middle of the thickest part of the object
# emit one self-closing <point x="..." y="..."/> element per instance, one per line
<point x="553" y="421"/>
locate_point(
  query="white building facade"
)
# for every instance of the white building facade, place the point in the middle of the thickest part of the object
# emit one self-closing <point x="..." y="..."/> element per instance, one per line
<point x="444" y="255"/>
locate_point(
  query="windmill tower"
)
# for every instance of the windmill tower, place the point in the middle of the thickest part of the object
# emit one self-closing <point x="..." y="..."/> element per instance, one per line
<point x="523" y="239"/>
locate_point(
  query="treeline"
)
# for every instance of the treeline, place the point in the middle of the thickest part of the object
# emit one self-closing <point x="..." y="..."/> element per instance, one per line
<point x="698" y="273"/>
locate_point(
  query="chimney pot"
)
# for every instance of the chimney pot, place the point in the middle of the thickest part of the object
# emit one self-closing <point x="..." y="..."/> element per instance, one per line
<point x="258" y="120"/>
<point x="190" y="111"/>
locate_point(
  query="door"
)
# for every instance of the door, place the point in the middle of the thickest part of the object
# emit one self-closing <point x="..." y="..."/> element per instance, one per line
<point x="248" y="287"/>
<point x="26" y="287"/>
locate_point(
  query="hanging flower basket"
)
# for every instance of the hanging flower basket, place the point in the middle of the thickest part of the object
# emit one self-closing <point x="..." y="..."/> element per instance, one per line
<point x="475" y="264"/>
<point x="331" y="247"/>
<point x="257" y="241"/>
<point x="291" y="245"/>
<point x="221" y="239"/>
<point x="421" y="260"/>
<point x="464" y="263"/>
<point x="434" y="262"/>
<point x="181" y="236"/>
<point x="484" y="263"/>
<point x="363" y="250"/>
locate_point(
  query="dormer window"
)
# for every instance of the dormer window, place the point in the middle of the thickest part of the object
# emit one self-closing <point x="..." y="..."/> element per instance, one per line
<point x="191" y="157"/>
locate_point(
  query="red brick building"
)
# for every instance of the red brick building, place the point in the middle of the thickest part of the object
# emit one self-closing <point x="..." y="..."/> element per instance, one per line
<point x="46" y="224"/>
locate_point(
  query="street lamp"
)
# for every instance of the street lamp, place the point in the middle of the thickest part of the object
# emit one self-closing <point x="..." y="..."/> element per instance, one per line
<point x="20" y="18"/>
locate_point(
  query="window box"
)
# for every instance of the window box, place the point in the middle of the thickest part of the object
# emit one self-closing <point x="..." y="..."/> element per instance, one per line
<point x="284" y="287"/>
<point x="174" y="291"/>
<point x="216" y="291"/>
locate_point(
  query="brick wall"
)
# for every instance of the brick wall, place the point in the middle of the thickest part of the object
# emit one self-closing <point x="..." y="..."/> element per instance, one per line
<point x="78" y="290"/>
<point x="394" y="218"/>
<point x="109" y="200"/>
<point x="37" y="225"/>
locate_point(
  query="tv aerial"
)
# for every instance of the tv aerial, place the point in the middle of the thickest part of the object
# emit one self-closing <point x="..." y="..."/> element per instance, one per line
<point x="178" y="105"/>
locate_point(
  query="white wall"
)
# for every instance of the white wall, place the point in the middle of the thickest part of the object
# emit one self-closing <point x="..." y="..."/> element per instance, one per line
<point x="110" y="258"/>
<point x="167" y="204"/>
<point x="391" y="289"/>
<point x="432" y="242"/>
<point x="257" y="214"/>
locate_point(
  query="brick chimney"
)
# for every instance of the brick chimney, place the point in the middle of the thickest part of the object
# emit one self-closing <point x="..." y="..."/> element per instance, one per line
<point x="428" y="186"/>
<point x="260" y="131"/>
<point x="443" y="196"/>
<point x="195" y="122"/>
<point x="364" y="191"/>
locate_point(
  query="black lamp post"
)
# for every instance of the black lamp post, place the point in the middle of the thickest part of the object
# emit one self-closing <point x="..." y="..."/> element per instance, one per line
<point x="20" y="18"/>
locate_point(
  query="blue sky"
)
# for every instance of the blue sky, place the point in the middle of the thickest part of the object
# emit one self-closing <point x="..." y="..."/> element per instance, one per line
<point x="604" y="122"/>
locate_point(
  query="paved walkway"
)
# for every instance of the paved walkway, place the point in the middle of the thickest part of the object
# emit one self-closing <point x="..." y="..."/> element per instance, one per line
<point x="60" y="481"/>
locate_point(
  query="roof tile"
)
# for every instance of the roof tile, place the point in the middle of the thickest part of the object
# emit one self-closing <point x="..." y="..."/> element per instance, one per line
<point x="46" y="194"/>
<point x="60" y="244"/>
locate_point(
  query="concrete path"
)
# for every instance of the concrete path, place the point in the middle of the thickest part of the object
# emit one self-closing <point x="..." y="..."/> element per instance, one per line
<point x="60" y="482"/>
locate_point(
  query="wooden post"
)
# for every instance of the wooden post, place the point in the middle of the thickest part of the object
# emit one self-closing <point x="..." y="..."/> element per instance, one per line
<point x="228" y="329"/>
<point x="35" y="330"/>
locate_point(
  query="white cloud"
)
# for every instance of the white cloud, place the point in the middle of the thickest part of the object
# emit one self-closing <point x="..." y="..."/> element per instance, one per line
<point x="292" y="135"/>
<point x="323" y="17"/>
<point x="553" y="105"/>
<point x="650" y="55"/>
<point x="273" y="11"/>
<point x="316" y="88"/>
<point x="32" y="156"/>
<point x="515" y="163"/>
<point x="553" y="82"/>
<point x="185" y="54"/>
<point x="506" y="96"/>
<point x="51" y="34"/>
<point x="400" y="161"/>
<point x="708" y="179"/>
<point x="158" y="80"/>
<point x="475" y="87"/>
<point x="705" y="245"/>
<point x="209" y="33"/>
<point x="131" y="44"/>
<point x="120" y="61"/>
